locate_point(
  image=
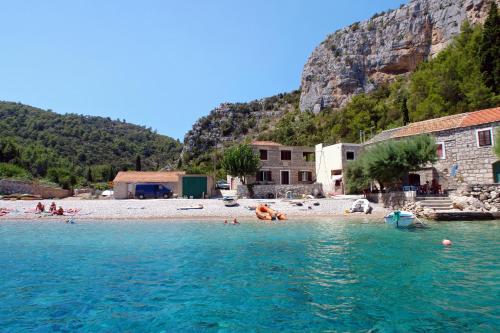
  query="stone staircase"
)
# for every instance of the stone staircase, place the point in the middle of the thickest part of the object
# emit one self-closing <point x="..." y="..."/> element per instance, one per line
<point x="436" y="203"/>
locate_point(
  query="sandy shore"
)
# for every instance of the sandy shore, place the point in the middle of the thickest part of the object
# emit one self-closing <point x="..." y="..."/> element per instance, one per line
<point x="169" y="209"/>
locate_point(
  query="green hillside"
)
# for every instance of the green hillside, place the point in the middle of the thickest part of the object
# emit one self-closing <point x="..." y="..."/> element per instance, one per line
<point x="75" y="149"/>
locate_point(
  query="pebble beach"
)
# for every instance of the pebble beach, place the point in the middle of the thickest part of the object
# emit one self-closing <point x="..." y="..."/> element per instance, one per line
<point x="175" y="208"/>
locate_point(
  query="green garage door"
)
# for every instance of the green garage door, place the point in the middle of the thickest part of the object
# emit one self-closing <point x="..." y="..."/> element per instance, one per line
<point x="194" y="186"/>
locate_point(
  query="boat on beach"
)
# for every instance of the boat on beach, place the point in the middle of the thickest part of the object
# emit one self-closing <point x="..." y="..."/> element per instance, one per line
<point x="361" y="205"/>
<point x="400" y="218"/>
<point x="230" y="202"/>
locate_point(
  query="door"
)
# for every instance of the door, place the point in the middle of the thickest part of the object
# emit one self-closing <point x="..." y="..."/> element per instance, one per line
<point x="285" y="177"/>
<point x="496" y="172"/>
<point x="194" y="187"/>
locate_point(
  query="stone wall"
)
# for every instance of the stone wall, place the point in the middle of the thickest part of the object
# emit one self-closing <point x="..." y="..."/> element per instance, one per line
<point x="8" y="186"/>
<point x="475" y="164"/>
<point x="278" y="191"/>
<point x="392" y="199"/>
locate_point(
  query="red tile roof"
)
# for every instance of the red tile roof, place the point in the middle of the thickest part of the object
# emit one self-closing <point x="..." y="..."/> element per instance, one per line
<point x="148" y="176"/>
<point x="462" y="120"/>
<point x="481" y="117"/>
<point x="265" y="143"/>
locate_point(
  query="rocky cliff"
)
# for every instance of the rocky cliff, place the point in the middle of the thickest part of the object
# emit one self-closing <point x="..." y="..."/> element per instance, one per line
<point x="360" y="57"/>
<point x="233" y="122"/>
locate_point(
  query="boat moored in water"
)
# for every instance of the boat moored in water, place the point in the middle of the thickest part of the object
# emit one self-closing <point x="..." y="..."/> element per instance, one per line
<point x="400" y="218"/>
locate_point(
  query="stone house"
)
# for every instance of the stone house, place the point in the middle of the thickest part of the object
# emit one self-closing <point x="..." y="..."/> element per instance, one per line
<point x="464" y="145"/>
<point x="283" y="165"/>
<point x="285" y="171"/>
<point x="331" y="164"/>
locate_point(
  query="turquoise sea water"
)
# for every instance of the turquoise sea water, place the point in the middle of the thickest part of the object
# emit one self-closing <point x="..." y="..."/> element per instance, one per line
<point x="303" y="276"/>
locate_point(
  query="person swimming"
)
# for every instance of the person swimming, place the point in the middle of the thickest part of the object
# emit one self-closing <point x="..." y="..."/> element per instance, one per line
<point x="235" y="221"/>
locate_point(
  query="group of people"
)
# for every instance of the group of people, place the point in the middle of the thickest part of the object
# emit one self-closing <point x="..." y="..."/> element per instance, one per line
<point x="235" y="221"/>
<point x="40" y="208"/>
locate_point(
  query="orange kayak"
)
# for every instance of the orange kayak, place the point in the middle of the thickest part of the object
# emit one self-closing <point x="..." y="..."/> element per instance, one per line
<point x="265" y="213"/>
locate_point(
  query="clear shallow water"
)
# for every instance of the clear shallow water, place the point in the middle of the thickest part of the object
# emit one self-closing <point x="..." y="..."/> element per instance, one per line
<point x="206" y="276"/>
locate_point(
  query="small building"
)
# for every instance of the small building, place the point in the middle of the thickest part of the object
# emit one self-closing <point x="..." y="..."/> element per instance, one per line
<point x="331" y="164"/>
<point x="189" y="186"/>
<point x="283" y="165"/>
<point x="464" y="145"/>
<point x="125" y="181"/>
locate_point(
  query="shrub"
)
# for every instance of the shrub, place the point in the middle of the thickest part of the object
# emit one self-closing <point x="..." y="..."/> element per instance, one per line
<point x="8" y="170"/>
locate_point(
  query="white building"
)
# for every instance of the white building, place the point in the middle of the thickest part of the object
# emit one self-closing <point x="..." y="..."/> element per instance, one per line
<point x="331" y="163"/>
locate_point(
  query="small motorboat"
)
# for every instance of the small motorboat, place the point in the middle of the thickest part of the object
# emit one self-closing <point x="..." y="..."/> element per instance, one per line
<point x="400" y="218"/>
<point x="361" y="205"/>
<point x="200" y="206"/>
<point x="266" y="213"/>
<point x="230" y="202"/>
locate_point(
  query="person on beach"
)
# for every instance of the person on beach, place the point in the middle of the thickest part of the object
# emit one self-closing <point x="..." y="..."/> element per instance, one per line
<point x="40" y="208"/>
<point x="59" y="211"/>
<point x="53" y="207"/>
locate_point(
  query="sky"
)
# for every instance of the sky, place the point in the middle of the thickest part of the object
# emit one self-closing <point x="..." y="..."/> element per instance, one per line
<point x="162" y="64"/>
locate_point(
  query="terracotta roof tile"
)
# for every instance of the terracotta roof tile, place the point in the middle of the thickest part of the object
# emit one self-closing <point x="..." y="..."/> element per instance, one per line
<point x="265" y="143"/>
<point x="441" y="124"/>
<point x="481" y="117"/>
<point x="431" y="125"/>
<point x="148" y="176"/>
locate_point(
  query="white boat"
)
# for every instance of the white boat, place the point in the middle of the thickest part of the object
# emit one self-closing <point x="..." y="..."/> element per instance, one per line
<point x="361" y="205"/>
<point x="230" y="202"/>
<point x="400" y="218"/>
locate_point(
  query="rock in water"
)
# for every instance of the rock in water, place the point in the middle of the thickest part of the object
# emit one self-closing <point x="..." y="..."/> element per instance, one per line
<point x="360" y="57"/>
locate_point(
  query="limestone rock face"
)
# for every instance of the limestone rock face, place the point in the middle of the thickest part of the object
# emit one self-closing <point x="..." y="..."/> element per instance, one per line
<point x="360" y="57"/>
<point x="234" y="122"/>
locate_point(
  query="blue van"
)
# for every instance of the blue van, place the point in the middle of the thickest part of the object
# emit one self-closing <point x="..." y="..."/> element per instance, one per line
<point x="152" y="191"/>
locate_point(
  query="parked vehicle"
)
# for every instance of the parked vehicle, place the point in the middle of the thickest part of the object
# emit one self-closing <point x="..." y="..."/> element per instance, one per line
<point x="222" y="185"/>
<point x="152" y="191"/>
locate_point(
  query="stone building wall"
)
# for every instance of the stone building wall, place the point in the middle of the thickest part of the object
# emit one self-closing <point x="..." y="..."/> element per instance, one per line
<point x="8" y="186"/>
<point x="475" y="164"/>
<point x="274" y="163"/>
<point x="278" y="191"/>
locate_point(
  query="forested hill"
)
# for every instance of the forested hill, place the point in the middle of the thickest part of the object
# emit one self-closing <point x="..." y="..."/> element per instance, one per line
<point x="77" y="143"/>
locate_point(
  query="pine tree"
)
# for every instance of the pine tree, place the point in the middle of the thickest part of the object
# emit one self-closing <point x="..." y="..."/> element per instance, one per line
<point x="490" y="49"/>
<point x="138" y="165"/>
<point x="89" y="175"/>
<point x="404" y="110"/>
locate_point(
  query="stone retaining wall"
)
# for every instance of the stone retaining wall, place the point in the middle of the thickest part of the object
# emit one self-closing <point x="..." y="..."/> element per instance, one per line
<point x="9" y="186"/>
<point x="278" y="191"/>
<point x="392" y="199"/>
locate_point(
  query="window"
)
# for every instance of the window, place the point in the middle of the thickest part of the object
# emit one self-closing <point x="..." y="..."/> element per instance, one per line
<point x="484" y="138"/>
<point x="441" y="153"/>
<point x="336" y="172"/>
<point x="286" y="155"/>
<point x="263" y="154"/>
<point x="264" y="176"/>
<point x="308" y="156"/>
<point x="349" y="155"/>
<point x="305" y="176"/>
